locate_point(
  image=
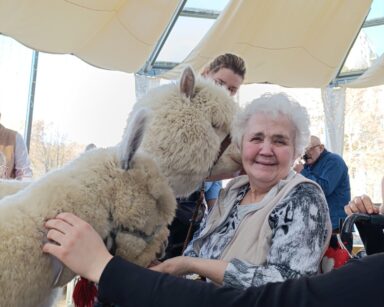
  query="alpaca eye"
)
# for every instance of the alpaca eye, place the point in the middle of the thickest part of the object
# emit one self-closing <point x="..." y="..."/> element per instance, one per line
<point x="215" y="126"/>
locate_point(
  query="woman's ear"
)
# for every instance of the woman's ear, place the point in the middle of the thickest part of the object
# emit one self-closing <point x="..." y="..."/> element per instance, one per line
<point x="205" y="72"/>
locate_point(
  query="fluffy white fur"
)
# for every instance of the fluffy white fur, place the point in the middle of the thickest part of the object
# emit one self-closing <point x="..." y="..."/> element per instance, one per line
<point x="131" y="207"/>
<point x="185" y="132"/>
<point x="126" y="196"/>
<point x="10" y="186"/>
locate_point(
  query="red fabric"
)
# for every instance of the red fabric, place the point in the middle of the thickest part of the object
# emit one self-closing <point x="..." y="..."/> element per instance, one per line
<point x="334" y="258"/>
<point x="84" y="293"/>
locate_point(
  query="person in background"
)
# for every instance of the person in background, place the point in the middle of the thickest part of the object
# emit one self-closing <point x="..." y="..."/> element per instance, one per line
<point x="227" y="70"/>
<point x="90" y="147"/>
<point x="331" y="173"/>
<point x="3" y="166"/>
<point x="270" y="224"/>
<point x="18" y="165"/>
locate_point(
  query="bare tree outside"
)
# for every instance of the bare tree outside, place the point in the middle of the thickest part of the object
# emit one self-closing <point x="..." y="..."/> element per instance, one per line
<point x="364" y="140"/>
<point x="50" y="148"/>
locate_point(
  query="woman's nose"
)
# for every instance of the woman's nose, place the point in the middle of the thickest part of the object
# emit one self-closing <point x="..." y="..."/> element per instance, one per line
<point x="266" y="148"/>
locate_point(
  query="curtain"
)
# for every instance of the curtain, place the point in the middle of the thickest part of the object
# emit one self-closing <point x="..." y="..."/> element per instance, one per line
<point x="334" y="108"/>
<point x="143" y="84"/>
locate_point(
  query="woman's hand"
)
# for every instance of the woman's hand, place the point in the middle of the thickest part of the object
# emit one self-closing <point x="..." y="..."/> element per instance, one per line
<point x="77" y="245"/>
<point x="177" y="266"/>
<point x="361" y="204"/>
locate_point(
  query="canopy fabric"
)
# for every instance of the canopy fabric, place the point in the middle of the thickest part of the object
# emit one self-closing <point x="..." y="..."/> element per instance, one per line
<point x="112" y="34"/>
<point x="298" y="43"/>
<point x="374" y="76"/>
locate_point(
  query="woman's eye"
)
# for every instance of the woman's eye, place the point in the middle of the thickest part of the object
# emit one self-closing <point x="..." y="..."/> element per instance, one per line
<point x="281" y="142"/>
<point x="219" y="82"/>
<point x="256" y="139"/>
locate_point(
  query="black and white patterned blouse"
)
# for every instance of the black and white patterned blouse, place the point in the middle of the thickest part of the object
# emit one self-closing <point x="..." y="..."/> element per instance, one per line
<point x="297" y="235"/>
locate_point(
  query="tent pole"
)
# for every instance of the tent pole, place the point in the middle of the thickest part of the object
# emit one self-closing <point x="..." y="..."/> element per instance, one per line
<point x="160" y="43"/>
<point x="31" y="98"/>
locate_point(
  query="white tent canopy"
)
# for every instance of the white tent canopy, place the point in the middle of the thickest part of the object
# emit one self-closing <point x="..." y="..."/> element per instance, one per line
<point x="297" y="43"/>
<point x="300" y="43"/>
<point x="111" y="34"/>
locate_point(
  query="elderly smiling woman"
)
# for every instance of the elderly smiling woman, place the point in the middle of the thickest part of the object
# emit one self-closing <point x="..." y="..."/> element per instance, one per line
<point x="271" y="224"/>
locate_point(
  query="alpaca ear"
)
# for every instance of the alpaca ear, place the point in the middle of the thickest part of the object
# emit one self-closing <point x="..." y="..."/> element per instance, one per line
<point x="133" y="137"/>
<point x="187" y="82"/>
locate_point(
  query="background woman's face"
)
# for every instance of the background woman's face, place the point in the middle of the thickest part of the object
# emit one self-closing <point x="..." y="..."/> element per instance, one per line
<point x="227" y="78"/>
<point x="268" y="150"/>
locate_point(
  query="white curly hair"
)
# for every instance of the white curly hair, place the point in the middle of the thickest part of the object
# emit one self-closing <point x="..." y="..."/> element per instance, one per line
<point x="274" y="105"/>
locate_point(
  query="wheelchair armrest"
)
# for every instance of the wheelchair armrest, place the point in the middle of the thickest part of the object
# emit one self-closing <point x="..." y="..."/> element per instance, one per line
<point x="373" y="219"/>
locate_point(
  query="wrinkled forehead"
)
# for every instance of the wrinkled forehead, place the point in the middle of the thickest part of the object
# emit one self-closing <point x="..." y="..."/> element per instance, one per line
<point x="273" y="123"/>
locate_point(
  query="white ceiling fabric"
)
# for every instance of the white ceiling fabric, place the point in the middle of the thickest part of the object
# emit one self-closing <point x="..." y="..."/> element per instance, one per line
<point x="112" y="34"/>
<point x="297" y="43"/>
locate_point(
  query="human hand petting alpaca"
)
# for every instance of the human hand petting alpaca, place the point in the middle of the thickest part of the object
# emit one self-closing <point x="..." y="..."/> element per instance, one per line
<point x="77" y="245"/>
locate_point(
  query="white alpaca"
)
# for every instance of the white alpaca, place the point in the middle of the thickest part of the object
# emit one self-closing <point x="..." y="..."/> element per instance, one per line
<point x="127" y="196"/>
<point x="121" y="194"/>
<point x="11" y="186"/>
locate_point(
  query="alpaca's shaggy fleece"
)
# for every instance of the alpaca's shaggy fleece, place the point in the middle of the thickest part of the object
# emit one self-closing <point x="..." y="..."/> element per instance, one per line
<point x="11" y="186"/>
<point x="130" y="207"/>
<point x="185" y="133"/>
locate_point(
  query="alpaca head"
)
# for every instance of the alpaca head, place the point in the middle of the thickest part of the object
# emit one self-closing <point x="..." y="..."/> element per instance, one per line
<point x="125" y="197"/>
<point x="144" y="203"/>
<point x="189" y="121"/>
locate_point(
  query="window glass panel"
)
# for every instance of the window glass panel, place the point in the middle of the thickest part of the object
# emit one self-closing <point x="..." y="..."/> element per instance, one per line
<point x="377" y="10"/>
<point x="76" y="104"/>
<point x="15" y="67"/>
<point x="364" y="140"/>
<point x="368" y="46"/>
<point x="375" y="36"/>
<point x="183" y="39"/>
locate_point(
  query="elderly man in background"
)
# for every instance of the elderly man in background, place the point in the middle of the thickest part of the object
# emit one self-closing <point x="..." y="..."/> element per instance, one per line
<point x="15" y="154"/>
<point x="331" y="173"/>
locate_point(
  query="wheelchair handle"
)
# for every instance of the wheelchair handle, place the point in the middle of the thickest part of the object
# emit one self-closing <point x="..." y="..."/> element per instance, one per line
<point x="374" y="219"/>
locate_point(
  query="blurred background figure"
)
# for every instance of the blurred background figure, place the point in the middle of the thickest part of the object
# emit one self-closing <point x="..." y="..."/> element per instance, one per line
<point x="17" y="164"/>
<point x="3" y="165"/>
<point x="90" y="146"/>
<point x="331" y="173"/>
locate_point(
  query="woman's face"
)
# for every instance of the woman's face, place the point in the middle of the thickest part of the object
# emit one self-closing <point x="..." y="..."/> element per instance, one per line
<point x="227" y="78"/>
<point x="268" y="149"/>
